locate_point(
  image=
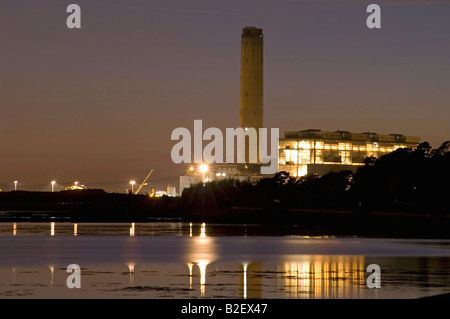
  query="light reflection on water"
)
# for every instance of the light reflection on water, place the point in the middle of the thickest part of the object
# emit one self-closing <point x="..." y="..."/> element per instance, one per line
<point x="177" y="260"/>
<point x="140" y="229"/>
<point x="325" y="277"/>
<point x="200" y="252"/>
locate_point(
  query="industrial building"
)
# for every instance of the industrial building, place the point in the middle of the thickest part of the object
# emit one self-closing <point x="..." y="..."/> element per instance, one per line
<point x="319" y="152"/>
<point x="300" y="152"/>
<point x="220" y="171"/>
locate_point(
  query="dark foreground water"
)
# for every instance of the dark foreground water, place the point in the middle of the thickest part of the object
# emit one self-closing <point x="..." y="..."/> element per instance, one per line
<point x="181" y="260"/>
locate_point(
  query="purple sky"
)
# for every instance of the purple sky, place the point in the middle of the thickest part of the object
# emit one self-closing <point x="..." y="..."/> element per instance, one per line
<point x="99" y="104"/>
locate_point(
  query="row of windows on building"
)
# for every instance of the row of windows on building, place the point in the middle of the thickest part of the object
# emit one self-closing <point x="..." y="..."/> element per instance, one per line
<point x="295" y="155"/>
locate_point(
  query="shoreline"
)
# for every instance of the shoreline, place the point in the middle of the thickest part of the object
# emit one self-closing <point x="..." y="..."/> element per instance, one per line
<point x="98" y="206"/>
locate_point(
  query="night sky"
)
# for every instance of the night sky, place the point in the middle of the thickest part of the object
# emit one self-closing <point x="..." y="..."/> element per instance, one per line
<point x="99" y="104"/>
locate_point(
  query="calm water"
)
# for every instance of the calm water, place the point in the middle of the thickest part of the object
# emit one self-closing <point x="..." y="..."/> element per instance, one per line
<point x="181" y="260"/>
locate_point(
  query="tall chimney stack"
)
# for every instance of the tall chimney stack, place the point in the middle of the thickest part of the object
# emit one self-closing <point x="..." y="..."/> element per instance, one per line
<point x="251" y="95"/>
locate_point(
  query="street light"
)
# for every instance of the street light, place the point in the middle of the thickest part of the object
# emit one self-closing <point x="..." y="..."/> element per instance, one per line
<point x="132" y="186"/>
<point x="15" y="185"/>
<point x="203" y="168"/>
<point x="53" y="186"/>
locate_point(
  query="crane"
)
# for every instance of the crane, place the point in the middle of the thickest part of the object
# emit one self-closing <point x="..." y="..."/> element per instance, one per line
<point x="143" y="183"/>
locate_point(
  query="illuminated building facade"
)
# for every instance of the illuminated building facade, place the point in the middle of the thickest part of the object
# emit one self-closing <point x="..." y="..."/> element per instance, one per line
<point x="319" y="152"/>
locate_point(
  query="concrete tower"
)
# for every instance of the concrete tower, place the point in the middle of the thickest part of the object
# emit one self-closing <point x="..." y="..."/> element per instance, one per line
<point x="251" y="98"/>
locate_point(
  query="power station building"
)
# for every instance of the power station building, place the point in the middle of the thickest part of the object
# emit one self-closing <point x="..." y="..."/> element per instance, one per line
<point x="319" y="152"/>
<point x="301" y="152"/>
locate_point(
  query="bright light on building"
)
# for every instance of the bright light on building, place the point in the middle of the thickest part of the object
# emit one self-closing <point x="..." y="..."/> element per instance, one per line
<point x="76" y="186"/>
<point x="203" y="168"/>
<point x="159" y="193"/>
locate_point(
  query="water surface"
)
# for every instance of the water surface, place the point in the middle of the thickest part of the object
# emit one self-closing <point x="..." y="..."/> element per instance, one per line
<point x="182" y="260"/>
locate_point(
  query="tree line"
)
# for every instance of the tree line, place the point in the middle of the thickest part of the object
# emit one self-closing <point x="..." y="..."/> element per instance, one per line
<point x="406" y="180"/>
